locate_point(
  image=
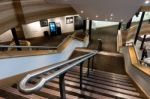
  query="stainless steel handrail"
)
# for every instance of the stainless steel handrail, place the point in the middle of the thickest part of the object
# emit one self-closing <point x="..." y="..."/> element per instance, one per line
<point x="69" y="64"/>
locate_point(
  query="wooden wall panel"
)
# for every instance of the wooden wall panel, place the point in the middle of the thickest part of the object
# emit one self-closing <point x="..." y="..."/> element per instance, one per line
<point x="36" y="10"/>
<point x="7" y="16"/>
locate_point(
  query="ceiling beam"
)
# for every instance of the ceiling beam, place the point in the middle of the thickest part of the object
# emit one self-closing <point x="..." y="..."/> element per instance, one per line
<point x="139" y="27"/>
<point x="19" y="11"/>
<point x="20" y="18"/>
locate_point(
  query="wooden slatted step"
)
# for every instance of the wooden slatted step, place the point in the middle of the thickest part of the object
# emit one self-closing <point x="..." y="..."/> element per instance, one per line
<point x="98" y="72"/>
<point x="103" y="79"/>
<point x="76" y="91"/>
<point x="96" y="86"/>
<point x="96" y="90"/>
<point x="86" y="83"/>
<point x="74" y="78"/>
<point x="102" y="82"/>
<point x="15" y="93"/>
<point x="53" y="93"/>
<point x="92" y="74"/>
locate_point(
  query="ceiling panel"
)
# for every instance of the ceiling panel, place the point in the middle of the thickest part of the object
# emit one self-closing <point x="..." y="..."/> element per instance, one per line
<point x="120" y="9"/>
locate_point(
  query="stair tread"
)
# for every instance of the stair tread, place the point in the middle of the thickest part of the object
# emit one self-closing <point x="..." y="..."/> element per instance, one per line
<point x="95" y="86"/>
<point x="76" y="90"/>
<point x="104" y="72"/>
<point x="16" y="92"/>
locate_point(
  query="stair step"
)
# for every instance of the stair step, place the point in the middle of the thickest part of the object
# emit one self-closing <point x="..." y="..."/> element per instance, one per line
<point x="103" y="79"/>
<point x="49" y="93"/>
<point x="86" y="83"/>
<point x="101" y="82"/>
<point x="92" y="74"/>
<point x="99" y="72"/>
<point x="89" y="88"/>
<point x="99" y="85"/>
<point x="76" y="91"/>
<point x="17" y="93"/>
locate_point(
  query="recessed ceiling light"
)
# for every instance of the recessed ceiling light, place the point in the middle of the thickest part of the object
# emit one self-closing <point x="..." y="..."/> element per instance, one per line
<point x="111" y="14"/>
<point x="87" y="18"/>
<point x="147" y="2"/>
<point x="81" y="11"/>
<point x="96" y="16"/>
<point x="121" y="20"/>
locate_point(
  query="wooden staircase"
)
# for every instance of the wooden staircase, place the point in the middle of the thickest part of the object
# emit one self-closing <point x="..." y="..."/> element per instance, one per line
<point x="99" y="85"/>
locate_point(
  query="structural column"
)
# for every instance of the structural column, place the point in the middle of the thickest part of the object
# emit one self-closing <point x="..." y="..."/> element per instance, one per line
<point x="15" y="38"/>
<point x="119" y="26"/>
<point x="90" y="29"/>
<point x="84" y="26"/>
<point x="20" y="18"/>
<point x="139" y="27"/>
<point x="143" y="42"/>
<point x="129" y="24"/>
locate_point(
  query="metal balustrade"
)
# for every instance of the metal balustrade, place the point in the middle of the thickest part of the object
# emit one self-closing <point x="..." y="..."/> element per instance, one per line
<point x="60" y="70"/>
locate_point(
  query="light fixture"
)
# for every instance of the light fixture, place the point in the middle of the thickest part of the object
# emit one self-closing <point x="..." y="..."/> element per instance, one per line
<point x="121" y="20"/>
<point x="111" y="14"/>
<point x="81" y="11"/>
<point x="147" y="2"/>
<point x="96" y="16"/>
<point x="87" y="18"/>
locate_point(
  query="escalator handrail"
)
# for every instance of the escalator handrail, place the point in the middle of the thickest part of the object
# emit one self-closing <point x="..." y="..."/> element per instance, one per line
<point x="67" y="65"/>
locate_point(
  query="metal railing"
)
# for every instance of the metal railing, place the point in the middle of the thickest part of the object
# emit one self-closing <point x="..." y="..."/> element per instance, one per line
<point x="33" y="47"/>
<point x="5" y="47"/>
<point x="59" y="70"/>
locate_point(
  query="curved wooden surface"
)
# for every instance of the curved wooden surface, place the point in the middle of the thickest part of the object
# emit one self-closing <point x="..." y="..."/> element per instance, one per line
<point x="131" y="32"/>
<point x="135" y="62"/>
<point x="28" y="52"/>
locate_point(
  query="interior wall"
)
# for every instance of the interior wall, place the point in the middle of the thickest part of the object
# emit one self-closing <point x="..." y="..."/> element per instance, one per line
<point x="7" y="36"/>
<point x="101" y="24"/>
<point x="141" y="79"/>
<point x="35" y="30"/>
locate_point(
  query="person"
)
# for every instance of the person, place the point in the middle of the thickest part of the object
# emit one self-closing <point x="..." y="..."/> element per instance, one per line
<point x="99" y="45"/>
<point x="144" y="53"/>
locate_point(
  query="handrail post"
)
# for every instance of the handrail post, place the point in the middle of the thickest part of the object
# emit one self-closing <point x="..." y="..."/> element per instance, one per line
<point x="81" y="71"/>
<point x="62" y="86"/>
<point x="92" y="63"/>
<point x="88" y="67"/>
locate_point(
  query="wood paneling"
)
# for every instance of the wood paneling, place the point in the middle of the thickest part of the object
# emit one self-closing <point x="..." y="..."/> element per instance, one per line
<point x="31" y="17"/>
<point x="7" y="16"/>
<point x="135" y="62"/>
<point x="144" y="8"/>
